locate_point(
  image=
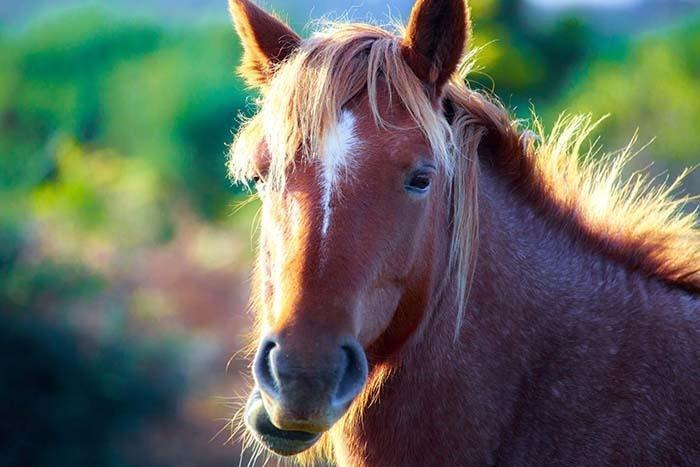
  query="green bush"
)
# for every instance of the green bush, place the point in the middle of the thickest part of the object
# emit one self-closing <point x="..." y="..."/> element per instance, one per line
<point x="651" y="86"/>
<point x="69" y="398"/>
<point x="163" y="95"/>
<point x="65" y="401"/>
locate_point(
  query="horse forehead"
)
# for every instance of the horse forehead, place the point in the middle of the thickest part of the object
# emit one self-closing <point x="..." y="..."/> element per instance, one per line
<point x="340" y="149"/>
<point x="355" y="143"/>
<point x="340" y="145"/>
<point x="355" y="147"/>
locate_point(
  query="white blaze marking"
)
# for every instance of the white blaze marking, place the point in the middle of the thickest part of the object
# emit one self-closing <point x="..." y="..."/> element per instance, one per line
<point x="337" y="156"/>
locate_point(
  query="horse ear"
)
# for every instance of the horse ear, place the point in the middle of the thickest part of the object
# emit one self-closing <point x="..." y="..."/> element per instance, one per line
<point x="266" y="41"/>
<point x="435" y="40"/>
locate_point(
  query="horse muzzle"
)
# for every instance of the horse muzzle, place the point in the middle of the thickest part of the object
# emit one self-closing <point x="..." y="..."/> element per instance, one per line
<point x="300" y="396"/>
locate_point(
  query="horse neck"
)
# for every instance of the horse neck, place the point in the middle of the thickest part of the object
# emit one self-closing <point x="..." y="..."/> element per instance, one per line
<point x="528" y="269"/>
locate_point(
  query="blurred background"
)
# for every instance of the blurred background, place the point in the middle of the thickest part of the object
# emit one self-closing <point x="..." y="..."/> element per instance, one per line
<point x="124" y="249"/>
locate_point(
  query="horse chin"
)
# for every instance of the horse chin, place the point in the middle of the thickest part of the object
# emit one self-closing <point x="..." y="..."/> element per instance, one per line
<point x="282" y="442"/>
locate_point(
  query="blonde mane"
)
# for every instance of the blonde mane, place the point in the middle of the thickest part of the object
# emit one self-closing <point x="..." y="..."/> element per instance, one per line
<point x="632" y="220"/>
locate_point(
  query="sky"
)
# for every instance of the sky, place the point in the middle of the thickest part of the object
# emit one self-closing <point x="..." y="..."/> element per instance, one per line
<point x="18" y="10"/>
<point x="567" y="3"/>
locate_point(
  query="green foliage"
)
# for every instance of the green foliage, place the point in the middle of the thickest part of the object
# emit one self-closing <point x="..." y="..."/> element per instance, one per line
<point x="67" y="399"/>
<point x="50" y="84"/>
<point x="178" y="108"/>
<point x="47" y="284"/>
<point x="102" y="194"/>
<point x="67" y="402"/>
<point x="521" y="62"/>
<point x="164" y="96"/>
<point x="652" y="86"/>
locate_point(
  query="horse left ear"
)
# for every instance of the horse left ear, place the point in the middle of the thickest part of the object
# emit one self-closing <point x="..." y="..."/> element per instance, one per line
<point x="266" y="40"/>
<point x="435" y="41"/>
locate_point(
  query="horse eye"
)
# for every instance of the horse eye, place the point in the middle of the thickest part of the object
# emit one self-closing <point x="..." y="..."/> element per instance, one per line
<point x="418" y="182"/>
<point x="257" y="179"/>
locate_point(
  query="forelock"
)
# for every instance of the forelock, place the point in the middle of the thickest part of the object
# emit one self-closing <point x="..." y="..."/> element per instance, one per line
<point x="306" y="97"/>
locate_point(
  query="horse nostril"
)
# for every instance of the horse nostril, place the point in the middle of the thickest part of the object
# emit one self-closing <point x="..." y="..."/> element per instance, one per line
<point x="353" y="376"/>
<point x="263" y="369"/>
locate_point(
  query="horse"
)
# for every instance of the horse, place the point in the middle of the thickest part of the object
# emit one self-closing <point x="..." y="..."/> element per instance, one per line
<point x="435" y="283"/>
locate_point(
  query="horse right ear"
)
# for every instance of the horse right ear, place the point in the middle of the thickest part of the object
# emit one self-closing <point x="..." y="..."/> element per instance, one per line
<point x="266" y="41"/>
<point x="435" y="41"/>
